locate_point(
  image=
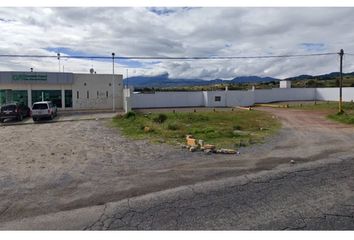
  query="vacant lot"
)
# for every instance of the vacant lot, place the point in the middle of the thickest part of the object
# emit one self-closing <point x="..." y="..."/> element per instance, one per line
<point x="225" y="129"/>
<point x="66" y="165"/>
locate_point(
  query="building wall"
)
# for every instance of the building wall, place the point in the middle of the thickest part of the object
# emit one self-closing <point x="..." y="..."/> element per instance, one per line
<point x="97" y="86"/>
<point x="236" y="98"/>
<point x="284" y="94"/>
<point x="211" y="99"/>
<point x="240" y="98"/>
<point x="332" y="94"/>
<point x="167" y="99"/>
<point x="284" y="84"/>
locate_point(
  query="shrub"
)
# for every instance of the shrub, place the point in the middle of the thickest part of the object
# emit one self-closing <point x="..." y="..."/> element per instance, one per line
<point x="130" y="114"/>
<point x="173" y="126"/>
<point x="160" y="118"/>
<point x="237" y="127"/>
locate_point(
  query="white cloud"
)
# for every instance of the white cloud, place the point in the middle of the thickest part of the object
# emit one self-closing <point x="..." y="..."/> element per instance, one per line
<point x="180" y="32"/>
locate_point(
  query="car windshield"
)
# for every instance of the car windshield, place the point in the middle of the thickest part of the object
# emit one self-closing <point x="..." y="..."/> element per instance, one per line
<point x="40" y="106"/>
<point x="8" y="108"/>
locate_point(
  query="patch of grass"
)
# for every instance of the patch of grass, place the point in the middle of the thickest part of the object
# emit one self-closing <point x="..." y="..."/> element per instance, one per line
<point x="346" y="117"/>
<point x="213" y="127"/>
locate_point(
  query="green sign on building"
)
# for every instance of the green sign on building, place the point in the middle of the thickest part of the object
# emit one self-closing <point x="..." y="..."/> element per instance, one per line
<point x="29" y="77"/>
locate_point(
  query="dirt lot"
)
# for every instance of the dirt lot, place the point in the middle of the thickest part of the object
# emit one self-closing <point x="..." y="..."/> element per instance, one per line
<point x="66" y="165"/>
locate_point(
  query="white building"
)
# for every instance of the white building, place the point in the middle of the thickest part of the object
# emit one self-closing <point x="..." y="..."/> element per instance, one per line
<point x="285" y="84"/>
<point x="66" y="90"/>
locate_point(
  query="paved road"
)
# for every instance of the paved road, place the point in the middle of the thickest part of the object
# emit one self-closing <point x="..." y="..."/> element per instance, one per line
<point x="317" y="195"/>
<point x="312" y="197"/>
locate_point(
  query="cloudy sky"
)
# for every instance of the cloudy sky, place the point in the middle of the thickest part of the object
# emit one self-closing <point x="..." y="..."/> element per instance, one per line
<point x="179" y="32"/>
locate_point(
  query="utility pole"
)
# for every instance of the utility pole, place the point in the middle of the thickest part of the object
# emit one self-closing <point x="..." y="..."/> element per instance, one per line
<point x="113" y="85"/>
<point x="341" y="53"/>
<point x="58" y="54"/>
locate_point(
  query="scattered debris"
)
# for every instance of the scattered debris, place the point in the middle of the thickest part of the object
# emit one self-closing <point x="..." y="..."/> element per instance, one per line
<point x="292" y="161"/>
<point x="193" y="149"/>
<point x="192" y="146"/>
<point x="226" y="151"/>
<point x="147" y="129"/>
<point x="191" y="141"/>
<point x="209" y="146"/>
<point x="208" y="151"/>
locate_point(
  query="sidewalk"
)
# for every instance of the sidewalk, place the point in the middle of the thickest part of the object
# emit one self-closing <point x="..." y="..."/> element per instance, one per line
<point x="66" y="117"/>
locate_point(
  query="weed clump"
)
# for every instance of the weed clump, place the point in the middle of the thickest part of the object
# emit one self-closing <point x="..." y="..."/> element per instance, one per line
<point x="172" y="126"/>
<point x="161" y="118"/>
<point x="130" y="115"/>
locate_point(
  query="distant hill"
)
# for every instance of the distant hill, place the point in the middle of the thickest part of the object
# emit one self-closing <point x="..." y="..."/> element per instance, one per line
<point x="328" y="76"/>
<point x="164" y="81"/>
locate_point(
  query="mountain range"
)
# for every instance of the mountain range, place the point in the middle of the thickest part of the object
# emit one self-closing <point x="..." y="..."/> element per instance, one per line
<point x="163" y="80"/>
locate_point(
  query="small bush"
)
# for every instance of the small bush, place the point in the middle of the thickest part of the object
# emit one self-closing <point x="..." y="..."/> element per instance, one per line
<point x="173" y="126"/>
<point x="130" y="115"/>
<point x="160" y="118"/>
<point x="236" y="127"/>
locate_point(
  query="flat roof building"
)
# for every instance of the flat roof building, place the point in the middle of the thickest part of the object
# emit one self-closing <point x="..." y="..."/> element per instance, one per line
<point x="65" y="90"/>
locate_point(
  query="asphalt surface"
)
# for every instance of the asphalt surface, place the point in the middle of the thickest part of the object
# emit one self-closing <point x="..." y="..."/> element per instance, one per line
<point x="311" y="196"/>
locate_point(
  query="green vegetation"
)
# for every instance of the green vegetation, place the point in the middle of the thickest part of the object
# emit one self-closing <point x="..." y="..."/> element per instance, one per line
<point x="345" y="117"/>
<point x="332" y="109"/>
<point x="225" y="129"/>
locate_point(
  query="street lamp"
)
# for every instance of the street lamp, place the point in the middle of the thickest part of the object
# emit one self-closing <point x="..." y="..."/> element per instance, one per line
<point x="113" y="85"/>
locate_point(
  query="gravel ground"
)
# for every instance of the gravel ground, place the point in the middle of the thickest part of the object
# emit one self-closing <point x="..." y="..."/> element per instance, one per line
<point x="47" y="168"/>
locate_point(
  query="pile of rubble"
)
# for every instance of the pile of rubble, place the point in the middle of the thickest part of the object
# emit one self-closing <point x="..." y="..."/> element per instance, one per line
<point x="192" y="145"/>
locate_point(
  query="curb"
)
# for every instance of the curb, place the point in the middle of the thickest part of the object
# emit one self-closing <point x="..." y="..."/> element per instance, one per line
<point x="54" y="121"/>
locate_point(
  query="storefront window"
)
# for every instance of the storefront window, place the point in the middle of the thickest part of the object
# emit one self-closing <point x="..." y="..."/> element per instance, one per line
<point x="68" y="98"/>
<point x="8" y="95"/>
<point x="2" y="97"/>
<point x="48" y="95"/>
<point x="20" y="96"/>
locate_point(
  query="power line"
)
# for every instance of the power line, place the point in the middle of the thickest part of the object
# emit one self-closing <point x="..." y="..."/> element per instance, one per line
<point x="171" y="58"/>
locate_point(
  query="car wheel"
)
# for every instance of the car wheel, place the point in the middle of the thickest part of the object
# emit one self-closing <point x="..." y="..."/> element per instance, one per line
<point x="2" y="120"/>
<point x="20" y="117"/>
<point x="51" y="116"/>
<point x="35" y="119"/>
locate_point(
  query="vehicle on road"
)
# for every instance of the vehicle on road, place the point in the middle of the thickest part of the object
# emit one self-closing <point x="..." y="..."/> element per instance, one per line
<point x="16" y="111"/>
<point x="44" y="109"/>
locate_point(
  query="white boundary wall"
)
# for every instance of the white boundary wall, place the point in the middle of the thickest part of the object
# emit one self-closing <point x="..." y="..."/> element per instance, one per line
<point x="167" y="99"/>
<point x="332" y="94"/>
<point x="284" y="94"/>
<point x="232" y="98"/>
